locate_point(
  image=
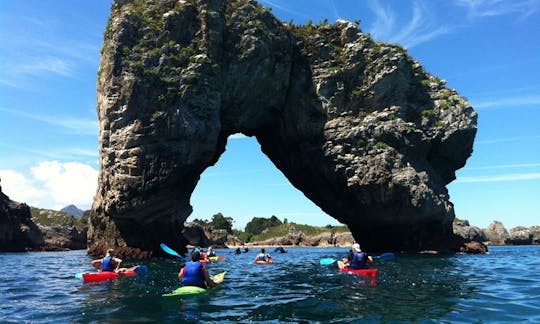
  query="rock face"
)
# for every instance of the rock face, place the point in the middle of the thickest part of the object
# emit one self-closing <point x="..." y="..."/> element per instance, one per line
<point x="61" y="231"/>
<point x="496" y="233"/>
<point x="18" y="232"/>
<point x="463" y="229"/>
<point x="358" y="126"/>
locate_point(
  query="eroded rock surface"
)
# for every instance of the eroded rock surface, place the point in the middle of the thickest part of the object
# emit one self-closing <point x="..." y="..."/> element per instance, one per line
<point x="358" y="126"/>
<point x="18" y="233"/>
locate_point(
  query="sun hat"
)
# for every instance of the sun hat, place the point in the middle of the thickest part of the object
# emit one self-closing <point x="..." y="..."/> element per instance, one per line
<point x="356" y="246"/>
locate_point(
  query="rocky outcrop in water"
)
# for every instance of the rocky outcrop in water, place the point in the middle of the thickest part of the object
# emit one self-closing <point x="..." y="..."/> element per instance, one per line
<point x="358" y="126"/>
<point x="497" y="234"/>
<point x="18" y="233"/>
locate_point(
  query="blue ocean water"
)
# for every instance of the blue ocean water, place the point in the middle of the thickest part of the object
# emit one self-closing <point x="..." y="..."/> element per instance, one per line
<point x="503" y="286"/>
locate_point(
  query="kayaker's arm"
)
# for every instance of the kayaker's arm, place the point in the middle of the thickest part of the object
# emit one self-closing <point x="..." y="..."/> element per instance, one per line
<point x="118" y="263"/>
<point x="208" y="280"/>
<point x="181" y="274"/>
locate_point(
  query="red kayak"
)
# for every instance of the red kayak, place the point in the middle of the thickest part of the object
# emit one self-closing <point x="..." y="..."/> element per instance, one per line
<point x="109" y="275"/>
<point x="362" y="272"/>
<point x="270" y="261"/>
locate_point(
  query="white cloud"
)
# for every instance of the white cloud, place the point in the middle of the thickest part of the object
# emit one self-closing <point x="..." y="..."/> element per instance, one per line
<point x="74" y="125"/>
<point x="52" y="185"/>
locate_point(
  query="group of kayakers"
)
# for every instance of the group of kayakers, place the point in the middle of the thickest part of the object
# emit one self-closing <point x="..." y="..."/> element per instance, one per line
<point x="193" y="273"/>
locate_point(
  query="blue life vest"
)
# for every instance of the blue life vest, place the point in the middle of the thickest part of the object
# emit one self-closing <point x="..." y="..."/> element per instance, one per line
<point x="193" y="274"/>
<point x="359" y="260"/>
<point x="107" y="264"/>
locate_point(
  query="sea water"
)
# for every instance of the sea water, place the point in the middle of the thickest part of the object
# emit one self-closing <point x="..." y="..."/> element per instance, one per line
<point x="502" y="286"/>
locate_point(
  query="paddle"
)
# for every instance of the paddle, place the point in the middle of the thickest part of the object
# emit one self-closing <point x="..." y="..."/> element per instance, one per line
<point x="327" y="261"/>
<point x="382" y="257"/>
<point x="171" y="251"/>
<point x="141" y="269"/>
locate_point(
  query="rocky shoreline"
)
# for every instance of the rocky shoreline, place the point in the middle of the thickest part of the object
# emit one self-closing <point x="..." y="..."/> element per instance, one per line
<point x="23" y="228"/>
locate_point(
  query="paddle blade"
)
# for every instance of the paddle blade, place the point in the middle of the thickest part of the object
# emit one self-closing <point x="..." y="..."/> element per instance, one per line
<point x="327" y="261"/>
<point x="385" y="256"/>
<point x="170" y="251"/>
<point x="78" y="275"/>
<point x="141" y="270"/>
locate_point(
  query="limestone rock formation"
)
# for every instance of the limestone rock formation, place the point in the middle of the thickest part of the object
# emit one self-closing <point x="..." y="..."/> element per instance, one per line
<point x="464" y="230"/>
<point x="61" y="231"/>
<point x="496" y="233"/>
<point x="205" y="236"/>
<point x="358" y="126"/>
<point x="18" y="233"/>
<point x="523" y="236"/>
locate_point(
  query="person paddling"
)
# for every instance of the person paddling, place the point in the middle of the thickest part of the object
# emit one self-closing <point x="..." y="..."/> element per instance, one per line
<point x="194" y="273"/>
<point x="357" y="259"/>
<point x="263" y="256"/>
<point x="110" y="263"/>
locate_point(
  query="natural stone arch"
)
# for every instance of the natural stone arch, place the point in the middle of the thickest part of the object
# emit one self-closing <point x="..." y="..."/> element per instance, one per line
<point x="357" y="126"/>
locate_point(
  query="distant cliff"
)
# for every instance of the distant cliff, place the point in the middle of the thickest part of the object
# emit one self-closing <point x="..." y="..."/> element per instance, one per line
<point x="358" y="126"/>
<point x="23" y="228"/>
<point x="18" y="232"/>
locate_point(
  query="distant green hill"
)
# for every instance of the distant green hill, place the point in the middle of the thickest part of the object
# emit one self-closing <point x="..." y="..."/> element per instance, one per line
<point x="285" y="229"/>
<point x="48" y="217"/>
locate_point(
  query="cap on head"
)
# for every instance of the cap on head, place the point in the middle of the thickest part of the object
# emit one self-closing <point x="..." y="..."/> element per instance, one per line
<point x="356" y="246"/>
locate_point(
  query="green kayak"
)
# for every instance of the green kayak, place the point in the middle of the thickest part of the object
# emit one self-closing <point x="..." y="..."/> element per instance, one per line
<point x="187" y="291"/>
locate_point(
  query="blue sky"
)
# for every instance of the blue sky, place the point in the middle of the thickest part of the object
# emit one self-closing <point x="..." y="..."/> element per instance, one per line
<point x="488" y="50"/>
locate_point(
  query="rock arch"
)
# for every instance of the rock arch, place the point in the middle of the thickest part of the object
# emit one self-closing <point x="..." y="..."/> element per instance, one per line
<point x="358" y="126"/>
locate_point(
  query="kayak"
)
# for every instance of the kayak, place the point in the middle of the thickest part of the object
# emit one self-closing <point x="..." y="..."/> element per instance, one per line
<point x="213" y="259"/>
<point x="109" y="275"/>
<point x="187" y="291"/>
<point x="362" y="272"/>
<point x="270" y="261"/>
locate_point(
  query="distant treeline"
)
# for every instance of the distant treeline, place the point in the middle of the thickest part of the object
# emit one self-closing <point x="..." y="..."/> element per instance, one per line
<point x="259" y="226"/>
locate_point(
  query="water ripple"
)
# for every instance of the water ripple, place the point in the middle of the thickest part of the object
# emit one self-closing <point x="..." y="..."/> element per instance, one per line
<point x="500" y="287"/>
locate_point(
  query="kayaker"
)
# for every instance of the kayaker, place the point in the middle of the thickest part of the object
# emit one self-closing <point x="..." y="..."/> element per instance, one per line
<point x="211" y="252"/>
<point x="108" y="263"/>
<point x="237" y="251"/>
<point x="357" y="259"/>
<point x="194" y="273"/>
<point x="263" y="256"/>
<point x="280" y="249"/>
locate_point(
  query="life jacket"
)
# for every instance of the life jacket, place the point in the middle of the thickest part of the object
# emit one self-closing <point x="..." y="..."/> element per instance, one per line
<point x="359" y="260"/>
<point x="193" y="274"/>
<point x="107" y="264"/>
<point x="262" y="257"/>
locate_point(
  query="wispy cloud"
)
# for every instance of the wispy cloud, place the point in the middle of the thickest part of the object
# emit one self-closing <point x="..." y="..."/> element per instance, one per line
<point x="422" y="26"/>
<point x="41" y="50"/>
<point x="506" y="166"/>
<point x="74" y="125"/>
<point x="492" y="8"/>
<point x="500" y="178"/>
<point x="285" y="8"/>
<point x="508" y="139"/>
<point x="526" y="100"/>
